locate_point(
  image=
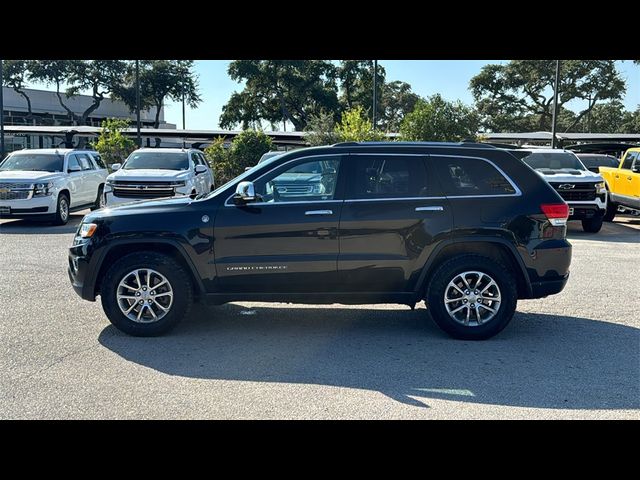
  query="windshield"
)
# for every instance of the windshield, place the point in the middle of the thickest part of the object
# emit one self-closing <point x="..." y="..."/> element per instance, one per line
<point x="553" y="161"/>
<point x="41" y="162"/>
<point x="159" y="160"/>
<point x="603" y="161"/>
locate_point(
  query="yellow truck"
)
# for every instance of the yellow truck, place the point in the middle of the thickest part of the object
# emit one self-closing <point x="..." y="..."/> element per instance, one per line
<point x="623" y="183"/>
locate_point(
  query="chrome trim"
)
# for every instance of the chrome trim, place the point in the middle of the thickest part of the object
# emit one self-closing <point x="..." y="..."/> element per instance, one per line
<point x="507" y="177"/>
<point x="435" y="208"/>
<point x="319" y="212"/>
<point x="227" y="204"/>
<point x="353" y="200"/>
<point x="265" y="204"/>
<point x="392" y="154"/>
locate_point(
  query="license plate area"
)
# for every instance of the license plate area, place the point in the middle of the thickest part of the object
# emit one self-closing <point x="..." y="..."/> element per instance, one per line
<point x="5" y="210"/>
<point x="570" y="211"/>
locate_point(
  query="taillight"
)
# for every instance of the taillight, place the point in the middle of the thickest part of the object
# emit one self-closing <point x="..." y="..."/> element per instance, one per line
<point x="557" y="213"/>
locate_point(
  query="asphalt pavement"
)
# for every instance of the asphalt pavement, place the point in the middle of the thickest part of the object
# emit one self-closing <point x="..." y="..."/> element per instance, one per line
<point x="572" y="355"/>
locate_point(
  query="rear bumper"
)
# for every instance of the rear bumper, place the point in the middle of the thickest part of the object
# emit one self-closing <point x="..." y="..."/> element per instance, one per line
<point x="548" y="287"/>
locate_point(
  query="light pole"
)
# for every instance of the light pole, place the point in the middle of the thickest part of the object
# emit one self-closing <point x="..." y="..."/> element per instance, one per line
<point x="554" y="117"/>
<point x="375" y="91"/>
<point x="138" y="139"/>
<point x="1" y="110"/>
<point x="183" y="113"/>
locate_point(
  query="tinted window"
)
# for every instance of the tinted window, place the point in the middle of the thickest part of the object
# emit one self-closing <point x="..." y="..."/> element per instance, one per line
<point x="196" y="158"/>
<point x="33" y="161"/>
<point x="382" y="176"/>
<point x="599" y="161"/>
<point x="159" y="160"/>
<point x="310" y="180"/>
<point x="98" y="160"/>
<point x="73" y="163"/>
<point x="628" y="160"/>
<point x="469" y="176"/>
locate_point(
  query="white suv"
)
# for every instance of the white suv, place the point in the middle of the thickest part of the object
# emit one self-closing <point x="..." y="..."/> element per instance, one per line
<point x="159" y="172"/>
<point x="50" y="183"/>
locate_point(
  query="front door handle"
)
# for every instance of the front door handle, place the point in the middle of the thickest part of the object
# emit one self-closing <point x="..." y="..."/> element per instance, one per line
<point x="435" y="208"/>
<point x="629" y="178"/>
<point x="319" y="212"/>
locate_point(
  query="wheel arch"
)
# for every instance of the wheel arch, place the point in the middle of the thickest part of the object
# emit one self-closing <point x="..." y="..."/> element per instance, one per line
<point x="164" y="246"/>
<point x="494" y="248"/>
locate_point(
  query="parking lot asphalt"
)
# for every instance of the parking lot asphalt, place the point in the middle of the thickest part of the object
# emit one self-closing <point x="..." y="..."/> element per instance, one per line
<point x="573" y="355"/>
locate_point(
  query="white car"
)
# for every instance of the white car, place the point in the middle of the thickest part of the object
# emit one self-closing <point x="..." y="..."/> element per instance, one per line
<point x="50" y="183"/>
<point x="159" y="172"/>
<point x="583" y="190"/>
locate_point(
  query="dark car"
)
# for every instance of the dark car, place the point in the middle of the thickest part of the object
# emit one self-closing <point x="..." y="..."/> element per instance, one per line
<point x="461" y="226"/>
<point x="593" y="161"/>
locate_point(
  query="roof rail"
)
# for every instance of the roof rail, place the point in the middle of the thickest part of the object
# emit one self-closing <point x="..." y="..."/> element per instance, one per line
<point x="465" y="143"/>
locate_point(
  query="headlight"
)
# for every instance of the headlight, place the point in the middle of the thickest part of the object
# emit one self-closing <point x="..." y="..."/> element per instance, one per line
<point x="109" y="183"/>
<point x="600" y="187"/>
<point x="178" y="184"/>
<point x="42" y="189"/>
<point x="87" y="230"/>
<point x="318" y="188"/>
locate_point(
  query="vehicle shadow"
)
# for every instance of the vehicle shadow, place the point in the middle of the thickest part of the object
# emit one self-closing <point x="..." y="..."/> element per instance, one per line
<point x="541" y="361"/>
<point x="611" y="232"/>
<point x="22" y="227"/>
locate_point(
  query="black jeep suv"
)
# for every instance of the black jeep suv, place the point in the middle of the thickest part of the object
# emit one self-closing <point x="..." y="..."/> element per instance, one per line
<point x="466" y="227"/>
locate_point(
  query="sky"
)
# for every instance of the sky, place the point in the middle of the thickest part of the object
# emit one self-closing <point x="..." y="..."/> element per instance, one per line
<point x="449" y="78"/>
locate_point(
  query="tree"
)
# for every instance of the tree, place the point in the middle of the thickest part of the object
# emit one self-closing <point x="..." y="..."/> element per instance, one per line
<point x="112" y="144"/>
<point x="160" y="80"/>
<point x="280" y="90"/>
<point x="631" y="122"/>
<point x="356" y="85"/>
<point x="14" y="75"/>
<point x="505" y="94"/>
<point x="53" y="72"/>
<point x="604" y="118"/>
<point x="245" y="151"/>
<point x="321" y="130"/>
<point x="439" y="120"/>
<point x="356" y="127"/>
<point x="396" y="100"/>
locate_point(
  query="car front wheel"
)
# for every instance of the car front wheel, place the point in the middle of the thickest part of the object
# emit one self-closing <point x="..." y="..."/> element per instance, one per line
<point x="146" y="294"/>
<point x="472" y="297"/>
<point x="592" y="225"/>
<point x="61" y="217"/>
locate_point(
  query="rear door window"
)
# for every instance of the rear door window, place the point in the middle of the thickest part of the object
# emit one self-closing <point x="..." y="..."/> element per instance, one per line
<point x="470" y="177"/>
<point x="387" y="176"/>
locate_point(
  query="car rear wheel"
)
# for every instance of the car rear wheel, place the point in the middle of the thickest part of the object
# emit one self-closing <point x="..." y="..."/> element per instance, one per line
<point x="61" y="217"/>
<point x="612" y="209"/>
<point x="146" y="294"/>
<point x="592" y="225"/>
<point x="472" y="297"/>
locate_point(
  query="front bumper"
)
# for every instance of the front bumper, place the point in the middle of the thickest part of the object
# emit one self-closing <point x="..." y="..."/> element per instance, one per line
<point x="84" y="260"/>
<point x="32" y="207"/>
<point x="588" y="210"/>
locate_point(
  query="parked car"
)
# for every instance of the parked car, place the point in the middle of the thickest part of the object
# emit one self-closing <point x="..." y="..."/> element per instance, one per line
<point x="48" y="184"/>
<point x="593" y="161"/>
<point x="150" y="173"/>
<point x="583" y="190"/>
<point x="623" y="183"/>
<point x="465" y="227"/>
<point x="268" y="155"/>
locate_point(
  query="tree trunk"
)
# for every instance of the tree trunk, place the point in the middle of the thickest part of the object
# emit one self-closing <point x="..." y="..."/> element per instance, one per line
<point x="26" y="97"/>
<point x="72" y="115"/>
<point x="156" y="123"/>
<point x="94" y="106"/>
<point x="583" y="113"/>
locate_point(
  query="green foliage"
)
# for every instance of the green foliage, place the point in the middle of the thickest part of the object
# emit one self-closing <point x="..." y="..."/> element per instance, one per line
<point x="245" y="151"/>
<point x="321" y="130"/>
<point x="514" y="96"/>
<point x="14" y="75"/>
<point x="280" y="90"/>
<point x="439" y="120"/>
<point x="396" y="101"/>
<point x="356" y="84"/>
<point x="355" y="127"/>
<point x="631" y="122"/>
<point x="160" y="80"/>
<point x="112" y="145"/>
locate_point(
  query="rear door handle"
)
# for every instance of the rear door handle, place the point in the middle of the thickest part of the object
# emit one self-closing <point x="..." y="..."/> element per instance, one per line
<point x="319" y="212"/>
<point x="629" y="178"/>
<point x="435" y="208"/>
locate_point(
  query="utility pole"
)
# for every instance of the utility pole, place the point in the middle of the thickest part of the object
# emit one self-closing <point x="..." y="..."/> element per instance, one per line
<point x="375" y="91"/>
<point x="183" y="116"/>
<point x="1" y="110"/>
<point x="554" y="118"/>
<point x="138" y="139"/>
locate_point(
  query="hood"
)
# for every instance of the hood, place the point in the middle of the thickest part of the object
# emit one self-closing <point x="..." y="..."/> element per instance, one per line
<point x="27" y="176"/>
<point x="140" y="207"/>
<point x="148" y="174"/>
<point x="569" y="175"/>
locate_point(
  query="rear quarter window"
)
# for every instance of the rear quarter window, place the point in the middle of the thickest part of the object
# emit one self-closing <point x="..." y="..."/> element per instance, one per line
<point x="470" y="177"/>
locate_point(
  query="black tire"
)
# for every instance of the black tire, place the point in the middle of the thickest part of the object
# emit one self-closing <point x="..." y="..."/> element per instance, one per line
<point x="592" y="225"/>
<point x="61" y="217"/>
<point x="99" y="203"/>
<point x="457" y="265"/>
<point x="178" y="278"/>
<point x="612" y="210"/>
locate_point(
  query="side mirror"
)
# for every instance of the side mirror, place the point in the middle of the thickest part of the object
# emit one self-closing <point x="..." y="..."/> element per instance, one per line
<point x="245" y="192"/>
<point x="200" y="169"/>
<point x="635" y="169"/>
<point x="247" y="168"/>
<point x="116" y="166"/>
<point x="73" y="169"/>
